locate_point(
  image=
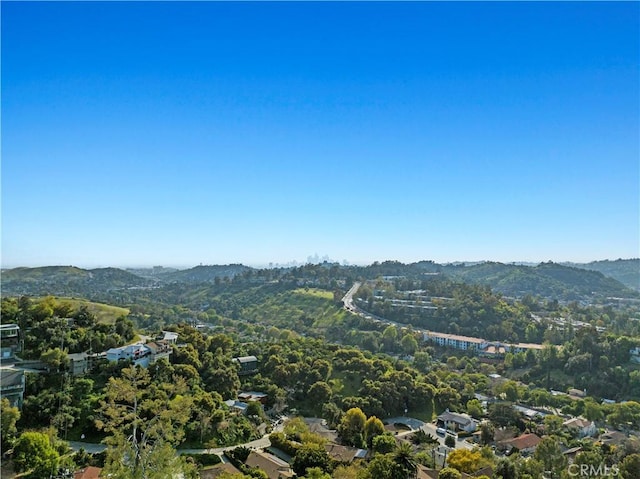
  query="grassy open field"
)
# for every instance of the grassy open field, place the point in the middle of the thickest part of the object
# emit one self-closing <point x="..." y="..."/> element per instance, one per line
<point x="315" y="293"/>
<point x="297" y="309"/>
<point x="104" y="312"/>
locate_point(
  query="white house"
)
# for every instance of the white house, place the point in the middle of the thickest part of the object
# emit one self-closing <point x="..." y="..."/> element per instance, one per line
<point x="170" y="337"/>
<point x="581" y="426"/>
<point x="133" y="352"/>
<point x="456" y="422"/>
<point x="141" y="354"/>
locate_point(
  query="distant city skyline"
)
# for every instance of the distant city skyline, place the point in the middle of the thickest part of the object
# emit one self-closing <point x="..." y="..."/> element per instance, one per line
<point x="179" y="133"/>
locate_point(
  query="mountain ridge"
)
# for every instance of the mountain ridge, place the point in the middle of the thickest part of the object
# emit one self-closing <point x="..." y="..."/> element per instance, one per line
<point x="565" y="281"/>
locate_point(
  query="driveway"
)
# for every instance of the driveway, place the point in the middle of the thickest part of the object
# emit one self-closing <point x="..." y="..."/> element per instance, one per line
<point x="411" y="423"/>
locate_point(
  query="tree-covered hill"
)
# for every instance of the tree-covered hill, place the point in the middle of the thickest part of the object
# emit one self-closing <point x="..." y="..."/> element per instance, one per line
<point x="67" y="281"/>
<point x="206" y="273"/>
<point x="550" y="280"/>
<point x="547" y="280"/>
<point x="301" y="309"/>
<point x="627" y="271"/>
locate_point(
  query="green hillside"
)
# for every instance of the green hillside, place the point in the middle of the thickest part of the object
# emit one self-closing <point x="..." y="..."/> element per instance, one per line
<point x="105" y="313"/>
<point x="44" y="273"/>
<point x="546" y="279"/>
<point x="205" y="273"/>
<point x="298" y="309"/>
<point x="67" y="281"/>
<point x="627" y="271"/>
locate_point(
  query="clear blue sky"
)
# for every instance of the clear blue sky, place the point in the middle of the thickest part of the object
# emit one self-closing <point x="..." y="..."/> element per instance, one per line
<point x="186" y="133"/>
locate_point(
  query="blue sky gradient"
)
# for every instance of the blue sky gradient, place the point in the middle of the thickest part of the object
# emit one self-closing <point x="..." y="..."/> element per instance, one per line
<point x="184" y="133"/>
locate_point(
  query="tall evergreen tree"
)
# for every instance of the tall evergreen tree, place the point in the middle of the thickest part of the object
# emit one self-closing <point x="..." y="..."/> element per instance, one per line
<point x="145" y="422"/>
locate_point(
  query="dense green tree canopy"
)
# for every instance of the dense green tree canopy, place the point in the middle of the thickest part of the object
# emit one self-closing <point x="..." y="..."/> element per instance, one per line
<point x="34" y="454"/>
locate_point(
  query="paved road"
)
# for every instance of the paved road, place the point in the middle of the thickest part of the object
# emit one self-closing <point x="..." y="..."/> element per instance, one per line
<point x="428" y="428"/>
<point x="93" y="448"/>
<point x="414" y="424"/>
<point x="351" y="306"/>
<point x="348" y="298"/>
<point x="261" y="443"/>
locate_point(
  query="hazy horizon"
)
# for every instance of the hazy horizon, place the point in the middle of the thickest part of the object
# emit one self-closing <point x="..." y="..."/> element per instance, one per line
<point x="274" y="264"/>
<point x="227" y="132"/>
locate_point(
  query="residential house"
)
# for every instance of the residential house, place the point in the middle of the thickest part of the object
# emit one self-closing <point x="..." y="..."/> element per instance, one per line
<point x="581" y="427"/>
<point x="170" y="337"/>
<point x="319" y="426"/>
<point x="483" y="398"/>
<point x="159" y="350"/>
<point x="246" y="396"/>
<point x="571" y="454"/>
<point x="426" y="473"/>
<point x="89" y="472"/>
<point x="216" y="471"/>
<point x="577" y="393"/>
<point x="525" y="443"/>
<point x="141" y="354"/>
<point x="10" y="341"/>
<point x="79" y="363"/>
<point x="530" y="413"/>
<point x="12" y="386"/>
<point x="456" y="422"/>
<point x="138" y="353"/>
<point x="344" y="454"/>
<point x="248" y="364"/>
<point x="274" y="467"/>
<point x="237" y="406"/>
<point x="613" y="438"/>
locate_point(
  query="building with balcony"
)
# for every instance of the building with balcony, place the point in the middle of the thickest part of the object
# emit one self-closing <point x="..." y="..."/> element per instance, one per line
<point x="12" y="386"/>
<point x="10" y="341"/>
<point x="248" y="364"/>
<point x="141" y="354"/>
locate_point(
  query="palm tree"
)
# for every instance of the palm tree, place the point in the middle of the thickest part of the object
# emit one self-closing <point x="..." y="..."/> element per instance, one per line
<point x="405" y="459"/>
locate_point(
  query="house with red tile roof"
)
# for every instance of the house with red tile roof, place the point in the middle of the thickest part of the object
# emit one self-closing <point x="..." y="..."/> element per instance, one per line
<point x="525" y="443"/>
<point x="89" y="472"/>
